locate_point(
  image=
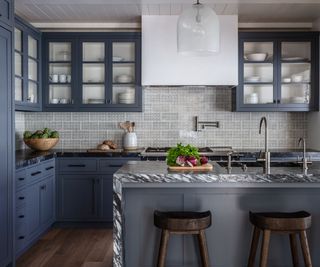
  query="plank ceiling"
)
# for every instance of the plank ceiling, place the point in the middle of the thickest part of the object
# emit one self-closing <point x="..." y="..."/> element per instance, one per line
<point x="126" y="11"/>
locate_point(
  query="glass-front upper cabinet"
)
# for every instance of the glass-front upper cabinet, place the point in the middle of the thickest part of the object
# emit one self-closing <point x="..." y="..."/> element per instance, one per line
<point x="94" y="74"/>
<point x="59" y="73"/>
<point x="277" y="72"/>
<point x="27" y="66"/>
<point x="124" y="73"/>
<point x="93" y="71"/>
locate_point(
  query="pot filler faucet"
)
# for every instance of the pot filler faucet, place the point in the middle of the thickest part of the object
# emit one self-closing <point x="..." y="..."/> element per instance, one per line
<point x="266" y="156"/>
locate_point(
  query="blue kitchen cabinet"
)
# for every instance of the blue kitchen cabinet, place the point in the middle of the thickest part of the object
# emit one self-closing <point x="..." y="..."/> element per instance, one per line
<point x="27" y="54"/>
<point x="85" y="188"/>
<point x="6" y="13"/>
<point x="35" y="203"/>
<point x="6" y="140"/>
<point x="92" y="72"/>
<point x="78" y="197"/>
<point x="278" y="71"/>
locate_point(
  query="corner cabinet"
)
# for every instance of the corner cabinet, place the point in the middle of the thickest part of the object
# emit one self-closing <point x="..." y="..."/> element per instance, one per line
<point x="278" y="71"/>
<point x="92" y="72"/>
<point x="27" y="55"/>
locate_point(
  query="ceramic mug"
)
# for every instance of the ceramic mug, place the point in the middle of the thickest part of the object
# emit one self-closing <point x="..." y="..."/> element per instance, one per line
<point x="54" y="78"/>
<point x="62" y="78"/>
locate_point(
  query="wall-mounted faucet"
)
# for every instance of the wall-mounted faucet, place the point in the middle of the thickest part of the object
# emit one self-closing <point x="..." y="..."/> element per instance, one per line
<point x="304" y="161"/>
<point x="202" y="125"/>
<point x="266" y="158"/>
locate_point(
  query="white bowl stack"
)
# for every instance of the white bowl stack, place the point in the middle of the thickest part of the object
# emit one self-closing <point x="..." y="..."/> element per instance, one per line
<point x="126" y="97"/>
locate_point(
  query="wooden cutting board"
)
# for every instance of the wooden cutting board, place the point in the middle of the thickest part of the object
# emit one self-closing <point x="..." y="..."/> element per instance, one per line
<point x="205" y="167"/>
<point x="118" y="150"/>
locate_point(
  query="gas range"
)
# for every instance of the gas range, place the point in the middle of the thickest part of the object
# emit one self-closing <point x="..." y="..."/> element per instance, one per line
<point x="160" y="153"/>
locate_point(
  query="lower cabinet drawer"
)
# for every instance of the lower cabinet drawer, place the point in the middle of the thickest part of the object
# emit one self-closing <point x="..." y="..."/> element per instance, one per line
<point x="112" y="165"/>
<point x="35" y="173"/>
<point x="77" y="165"/>
<point x="21" y="198"/>
<point x="21" y="178"/>
<point x="48" y="168"/>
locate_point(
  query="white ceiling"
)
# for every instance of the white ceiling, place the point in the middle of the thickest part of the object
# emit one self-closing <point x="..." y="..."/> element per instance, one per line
<point x="127" y="11"/>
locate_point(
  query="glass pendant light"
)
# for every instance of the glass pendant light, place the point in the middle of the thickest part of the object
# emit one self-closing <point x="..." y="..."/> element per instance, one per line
<point x="198" y="31"/>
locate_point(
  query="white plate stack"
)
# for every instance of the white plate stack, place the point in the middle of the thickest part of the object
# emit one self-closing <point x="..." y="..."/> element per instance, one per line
<point x="126" y="97"/>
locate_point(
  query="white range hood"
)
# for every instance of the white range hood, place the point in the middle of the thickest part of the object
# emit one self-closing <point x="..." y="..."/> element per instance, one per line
<point x="162" y="65"/>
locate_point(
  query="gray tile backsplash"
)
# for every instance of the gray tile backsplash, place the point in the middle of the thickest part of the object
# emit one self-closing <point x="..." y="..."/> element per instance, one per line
<point x="168" y="117"/>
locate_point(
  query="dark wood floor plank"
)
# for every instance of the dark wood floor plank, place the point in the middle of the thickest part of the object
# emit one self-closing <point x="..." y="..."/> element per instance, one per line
<point x="71" y="248"/>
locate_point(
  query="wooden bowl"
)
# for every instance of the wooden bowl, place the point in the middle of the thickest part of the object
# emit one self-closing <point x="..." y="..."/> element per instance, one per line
<point x="41" y="144"/>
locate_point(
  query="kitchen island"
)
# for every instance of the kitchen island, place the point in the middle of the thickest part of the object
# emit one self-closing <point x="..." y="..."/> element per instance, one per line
<point x="142" y="187"/>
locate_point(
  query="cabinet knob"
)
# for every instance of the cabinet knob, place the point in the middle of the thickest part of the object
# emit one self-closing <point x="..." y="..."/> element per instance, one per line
<point x="43" y="187"/>
<point x="278" y="101"/>
<point x="109" y="101"/>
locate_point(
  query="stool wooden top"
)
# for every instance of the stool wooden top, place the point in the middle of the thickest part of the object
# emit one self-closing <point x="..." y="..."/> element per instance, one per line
<point x="281" y="221"/>
<point x="182" y="220"/>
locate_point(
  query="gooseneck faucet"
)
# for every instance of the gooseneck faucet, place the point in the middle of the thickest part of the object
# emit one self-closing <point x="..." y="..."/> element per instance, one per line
<point x="266" y="159"/>
<point x="304" y="161"/>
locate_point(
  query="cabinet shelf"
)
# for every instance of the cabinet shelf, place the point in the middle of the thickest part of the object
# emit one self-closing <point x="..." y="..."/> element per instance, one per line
<point x="51" y="83"/>
<point x="258" y="83"/>
<point x="60" y="62"/>
<point x="296" y="61"/>
<point x="93" y="83"/>
<point x="93" y="62"/>
<point x="258" y="62"/>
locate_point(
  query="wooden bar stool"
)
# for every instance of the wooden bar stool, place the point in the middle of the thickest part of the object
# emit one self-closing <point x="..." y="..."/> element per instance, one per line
<point x="183" y="223"/>
<point x="283" y="223"/>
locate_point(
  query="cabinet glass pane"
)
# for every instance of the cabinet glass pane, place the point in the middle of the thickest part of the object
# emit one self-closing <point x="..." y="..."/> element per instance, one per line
<point x="59" y="73"/>
<point x="60" y="51"/>
<point x="32" y="47"/>
<point x="258" y="73"/>
<point x="59" y="94"/>
<point x="18" y="64"/>
<point x="32" y="92"/>
<point x="93" y="94"/>
<point x="123" y="51"/>
<point x="295" y="72"/>
<point x="295" y="93"/>
<point x="17" y="40"/>
<point x="258" y="51"/>
<point x="93" y="51"/>
<point x="295" y="51"/>
<point x="93" y="73"/>
<point x="258" y="94"/>
<point x="32" y="69"/>
<point x="123" y="95"/>
<point x="123" y="73"/>
<point x="18" y="89"/>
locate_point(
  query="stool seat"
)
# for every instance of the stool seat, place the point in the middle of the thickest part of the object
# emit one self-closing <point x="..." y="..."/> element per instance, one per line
<point x="281" y="221"/>
<point x="182" y="220"/>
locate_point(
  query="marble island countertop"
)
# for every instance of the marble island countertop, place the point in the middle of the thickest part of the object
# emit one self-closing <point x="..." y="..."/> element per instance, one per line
<point x="155" y="174"/>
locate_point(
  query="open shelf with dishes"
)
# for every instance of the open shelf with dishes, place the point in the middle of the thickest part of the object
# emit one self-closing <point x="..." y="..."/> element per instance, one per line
<point x="106" y="68"/>
<point x="277" y="72"/>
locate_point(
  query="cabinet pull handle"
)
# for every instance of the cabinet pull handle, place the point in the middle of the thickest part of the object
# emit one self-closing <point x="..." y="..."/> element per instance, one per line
<point x="43" y="187"/>
<point x="21" y="179"/>
<point x="77" y="165"/>
<point x="115" y="166"/>
<point x="35" y="173"/>
<point x="278" y="101"/>
<point x="21" y="198"/>
<point x="21" y="216"/>
<point x="21" y="237"/>
<point x="49" y="168"/>
<point x="274" y="101"/>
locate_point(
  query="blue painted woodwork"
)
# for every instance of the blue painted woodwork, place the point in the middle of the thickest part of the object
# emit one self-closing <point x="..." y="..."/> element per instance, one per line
<point x="277" y="38"/>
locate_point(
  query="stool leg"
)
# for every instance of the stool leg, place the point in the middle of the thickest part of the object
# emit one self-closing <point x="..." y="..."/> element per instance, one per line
<point x="163" y="248"/>
<point x="254" y="246"/>
<point x="265" y="248"/>
<point x="203" y="248"/>
<point x="305" y="248"/>
<point x="294" y="251"/>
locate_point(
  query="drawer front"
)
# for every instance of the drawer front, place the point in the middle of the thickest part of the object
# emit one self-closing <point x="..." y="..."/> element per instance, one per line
<point x="49" y="167"/>
<point x="112" y="165"/>
<point x="21" y="178"/>
<point x="5" y="11"/>
<point x="21" y="198"/>
<point x="35" y="173"/>
<point x="77" y="165"/>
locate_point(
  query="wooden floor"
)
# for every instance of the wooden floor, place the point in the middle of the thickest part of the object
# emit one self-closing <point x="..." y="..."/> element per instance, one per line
<point x="70" y="248"/>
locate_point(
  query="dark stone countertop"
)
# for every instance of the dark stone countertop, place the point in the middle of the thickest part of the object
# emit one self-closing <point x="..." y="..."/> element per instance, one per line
<point x="28" y="157"/>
